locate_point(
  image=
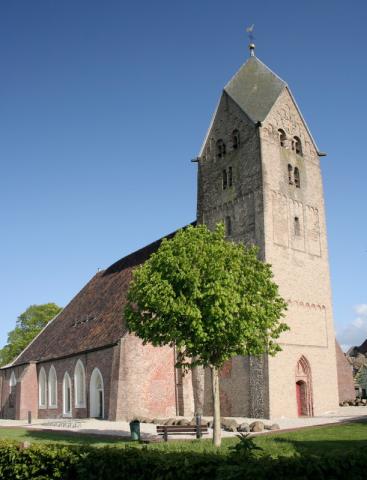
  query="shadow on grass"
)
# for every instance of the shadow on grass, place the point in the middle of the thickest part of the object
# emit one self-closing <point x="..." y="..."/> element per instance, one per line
<point x="74" y="438"/>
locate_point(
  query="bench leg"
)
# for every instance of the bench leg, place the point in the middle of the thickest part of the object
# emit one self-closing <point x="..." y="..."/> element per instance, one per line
<point x="165" y="435"/>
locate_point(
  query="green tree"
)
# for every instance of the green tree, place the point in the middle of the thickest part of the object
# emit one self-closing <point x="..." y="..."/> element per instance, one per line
<point x="28" y="325"/>
<point x="210" y="297"/>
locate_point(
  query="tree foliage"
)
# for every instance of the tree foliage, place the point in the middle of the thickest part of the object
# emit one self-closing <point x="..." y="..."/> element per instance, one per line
<point x="211" y="298"/>
<point x="28" y="325"/>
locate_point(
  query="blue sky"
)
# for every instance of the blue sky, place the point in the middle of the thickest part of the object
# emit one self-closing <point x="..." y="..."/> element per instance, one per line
<point x="104" y="103"/>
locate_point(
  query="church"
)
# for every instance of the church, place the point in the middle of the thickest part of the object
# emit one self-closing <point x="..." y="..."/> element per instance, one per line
<point x="259" y="173"/>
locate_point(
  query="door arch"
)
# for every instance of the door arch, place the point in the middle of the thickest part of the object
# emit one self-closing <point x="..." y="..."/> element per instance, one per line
<point x="66" y="395"/>
<point x="304" y="397"/>
<point x="96" y="394"/>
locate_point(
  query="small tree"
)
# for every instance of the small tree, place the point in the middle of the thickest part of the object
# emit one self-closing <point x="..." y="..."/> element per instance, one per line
<point x="28" y="325"/>
<point x="211" y="298"/>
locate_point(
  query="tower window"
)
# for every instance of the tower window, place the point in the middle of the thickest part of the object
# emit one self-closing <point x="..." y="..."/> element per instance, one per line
<point x="297" y="180"/>
<point x="290" y="169"/>
<point x="230" y="179"/>
<point x="228" y="226"/>
<point x="224" y="179"/>
<point x="235" y="139"/>
<point x="221" y="148"/>
<point x="282" y="137"/>
<point x="297" y="227"/>
<point x="296" y="145"/>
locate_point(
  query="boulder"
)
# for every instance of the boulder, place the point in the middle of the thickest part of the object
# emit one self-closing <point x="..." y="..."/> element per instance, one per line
<point x="159" y="421"/>
<point x="257" y="426"/>
<point x="243" y="427"/>
<point x="229" y="424"/>
<point x="170" y="421"/>
<point x="145" y="420"/>
<point x="183" y="422"/>
<point x="274" y="426"/>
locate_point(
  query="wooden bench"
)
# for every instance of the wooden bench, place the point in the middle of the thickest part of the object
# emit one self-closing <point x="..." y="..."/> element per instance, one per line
<point x="165" y="430"/>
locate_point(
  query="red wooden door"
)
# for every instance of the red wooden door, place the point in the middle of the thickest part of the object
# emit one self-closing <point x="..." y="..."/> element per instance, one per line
<point x="299" y="400"/>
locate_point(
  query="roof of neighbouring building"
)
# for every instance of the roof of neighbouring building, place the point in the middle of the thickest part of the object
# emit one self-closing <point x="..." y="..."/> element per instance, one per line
<point x="93" y="319"/>
<point x="255" y="88"/>
<point x="354" y="351"/>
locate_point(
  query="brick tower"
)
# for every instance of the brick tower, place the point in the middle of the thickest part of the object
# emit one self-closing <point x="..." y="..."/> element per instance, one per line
<point x="259" y="172"/>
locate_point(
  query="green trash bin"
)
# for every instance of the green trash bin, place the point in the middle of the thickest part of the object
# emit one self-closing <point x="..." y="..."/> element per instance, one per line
<point x="135" y="430"/>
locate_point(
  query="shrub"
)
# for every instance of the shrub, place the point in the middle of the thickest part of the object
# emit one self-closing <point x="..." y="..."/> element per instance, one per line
<point x="43" y="462"/>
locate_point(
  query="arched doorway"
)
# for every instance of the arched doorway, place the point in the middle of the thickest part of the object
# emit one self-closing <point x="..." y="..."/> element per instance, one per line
<point x="66" y="394"/>
<point x="304" y="397"/>
<point x="96" y="395"/>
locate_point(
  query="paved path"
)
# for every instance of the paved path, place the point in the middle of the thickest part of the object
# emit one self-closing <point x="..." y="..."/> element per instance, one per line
<point x="117" y="429"/>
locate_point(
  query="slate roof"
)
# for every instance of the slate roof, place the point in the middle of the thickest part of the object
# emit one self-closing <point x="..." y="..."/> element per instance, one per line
<point x="354" y="351"/>
<point x="255" y="88"/>
<point x="93" y="319"/>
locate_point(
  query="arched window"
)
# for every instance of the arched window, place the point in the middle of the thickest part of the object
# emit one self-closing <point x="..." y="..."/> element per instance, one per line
<point x="221" y="148"/>
<point x="96" y="394"/>
<point x="235" y="139"/>
<point x="42" y="388"/>
<point x="66" y="395"/>
<point x="228" y="225"/>
<point x="297" y="180"/>
<point x="297" y="227"/>
<point x="296" y="145"/>
<point x="12" y="392"/>
<point x="290" y="170"/>
<point x="224" y="179"/>
<point x="13" y="380"/>
<point x="282" y="137"/>
<point x="79" y="385"/>
<point x="52" y="388"/>
<point x="230" y="179"/>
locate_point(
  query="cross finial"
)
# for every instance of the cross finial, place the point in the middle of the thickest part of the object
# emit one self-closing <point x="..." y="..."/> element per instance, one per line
<point x="251" y="46"/>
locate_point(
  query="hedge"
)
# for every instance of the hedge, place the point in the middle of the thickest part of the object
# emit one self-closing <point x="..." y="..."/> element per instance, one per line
<point x="41" y="462"/>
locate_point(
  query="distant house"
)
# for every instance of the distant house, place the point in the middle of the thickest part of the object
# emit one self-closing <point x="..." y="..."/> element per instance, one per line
<point x="360" y="382"/>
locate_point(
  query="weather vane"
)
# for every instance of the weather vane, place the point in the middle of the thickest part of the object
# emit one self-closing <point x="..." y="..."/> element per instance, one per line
<point x="251" y="37"/>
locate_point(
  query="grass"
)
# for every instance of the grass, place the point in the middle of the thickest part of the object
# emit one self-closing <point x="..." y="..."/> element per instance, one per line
<point x="316" y="440"/>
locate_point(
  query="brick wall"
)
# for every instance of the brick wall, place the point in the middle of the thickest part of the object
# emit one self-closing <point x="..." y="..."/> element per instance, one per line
<point x="101" y="359"/>
<point x="146" y="384"/>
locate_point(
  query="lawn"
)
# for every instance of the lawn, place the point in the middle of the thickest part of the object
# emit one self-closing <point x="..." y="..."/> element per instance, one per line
<point x="316" y="440"/>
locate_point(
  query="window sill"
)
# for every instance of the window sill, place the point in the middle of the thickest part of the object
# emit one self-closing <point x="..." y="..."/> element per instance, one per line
<point x="81" y="406"/>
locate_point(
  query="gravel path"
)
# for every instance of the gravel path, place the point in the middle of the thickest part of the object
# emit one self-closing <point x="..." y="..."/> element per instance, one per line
<point x="104" y="427"/>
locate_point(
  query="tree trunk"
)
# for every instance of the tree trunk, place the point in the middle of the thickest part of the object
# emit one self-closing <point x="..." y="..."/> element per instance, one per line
<point x="216" y="407"/>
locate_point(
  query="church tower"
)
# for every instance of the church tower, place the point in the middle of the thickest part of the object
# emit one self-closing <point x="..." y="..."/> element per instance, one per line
<point x="259" y="173"/>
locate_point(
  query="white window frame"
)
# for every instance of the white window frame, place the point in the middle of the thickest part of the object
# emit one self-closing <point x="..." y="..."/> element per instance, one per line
<point x="94" y="394"/>
<point x="52" y="371"/>
<point x="12" y="380"/>
<point x="68" y="380"/>
<point x="79" y="367"/>
<point x="42" y="384"/>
